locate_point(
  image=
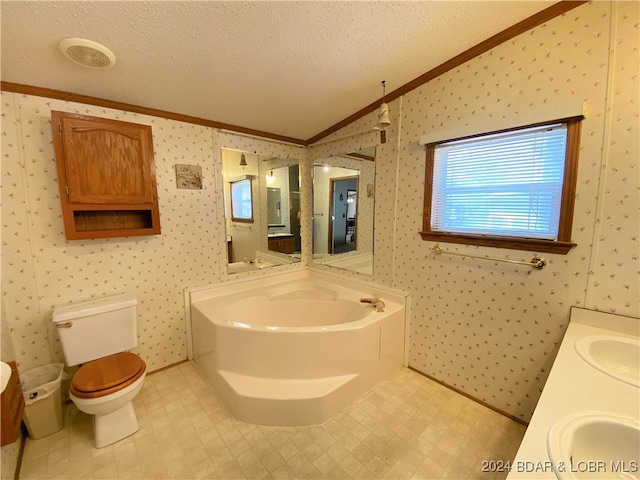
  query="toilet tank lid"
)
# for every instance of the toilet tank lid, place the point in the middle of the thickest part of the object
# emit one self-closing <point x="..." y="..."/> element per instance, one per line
<point x="93" y="307"/>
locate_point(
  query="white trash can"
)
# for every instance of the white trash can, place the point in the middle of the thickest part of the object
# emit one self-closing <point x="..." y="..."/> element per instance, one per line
<point x="42" y="398"/>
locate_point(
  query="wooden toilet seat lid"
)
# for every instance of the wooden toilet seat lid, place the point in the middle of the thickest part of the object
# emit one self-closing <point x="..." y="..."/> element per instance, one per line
<point x="107" y="375"/>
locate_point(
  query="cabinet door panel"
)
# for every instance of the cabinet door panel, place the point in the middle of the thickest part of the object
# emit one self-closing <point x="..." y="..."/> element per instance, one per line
<point x="107" y="162"/>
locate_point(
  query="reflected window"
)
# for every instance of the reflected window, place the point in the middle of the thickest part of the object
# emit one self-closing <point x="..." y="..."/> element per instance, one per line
<point x="241" y="201"/>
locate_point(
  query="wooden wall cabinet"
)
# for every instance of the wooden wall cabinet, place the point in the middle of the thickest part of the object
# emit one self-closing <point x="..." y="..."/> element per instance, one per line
<point x="282" y="243"/>
<point x="106" y="175"/>
<point x="11" y="408"/>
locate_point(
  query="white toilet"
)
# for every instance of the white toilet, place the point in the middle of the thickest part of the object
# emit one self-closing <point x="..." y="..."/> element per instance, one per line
<point x="97" y="334"/>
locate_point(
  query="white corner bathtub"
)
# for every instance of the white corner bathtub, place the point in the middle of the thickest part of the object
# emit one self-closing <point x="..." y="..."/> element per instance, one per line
<point x="295" y="348"/>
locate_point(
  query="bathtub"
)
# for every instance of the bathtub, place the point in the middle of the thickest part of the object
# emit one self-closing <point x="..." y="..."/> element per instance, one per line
<point x="295" y="348"/>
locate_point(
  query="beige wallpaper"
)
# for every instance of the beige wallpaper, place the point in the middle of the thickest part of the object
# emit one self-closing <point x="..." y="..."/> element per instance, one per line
<point x="491" y="330"/>
<point x="614" y="277"/>
<point x="41" y="269"/>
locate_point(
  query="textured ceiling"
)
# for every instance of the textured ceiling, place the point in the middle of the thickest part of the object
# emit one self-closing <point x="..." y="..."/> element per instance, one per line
<point x="288" y="68"/>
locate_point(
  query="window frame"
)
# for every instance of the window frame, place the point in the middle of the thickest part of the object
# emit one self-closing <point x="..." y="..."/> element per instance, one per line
<point x="237" y="183"/>
<point x="561" y="245"/>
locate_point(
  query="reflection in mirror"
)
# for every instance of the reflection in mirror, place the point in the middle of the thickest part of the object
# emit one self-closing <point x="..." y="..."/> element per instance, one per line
<point x="283" y="207"/>
<point x="343" y="211"/>
<point x="266" y="231"/>
<point x="241" y="201"/>
<point x="274" y="207"/>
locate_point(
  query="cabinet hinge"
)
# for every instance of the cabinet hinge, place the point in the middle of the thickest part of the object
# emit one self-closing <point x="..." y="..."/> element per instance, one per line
<point x="66" y="190"/>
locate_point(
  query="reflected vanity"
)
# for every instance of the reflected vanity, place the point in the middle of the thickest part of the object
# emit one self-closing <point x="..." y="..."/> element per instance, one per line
<point x="343" y="211"/>
<point x="262" y="210"/>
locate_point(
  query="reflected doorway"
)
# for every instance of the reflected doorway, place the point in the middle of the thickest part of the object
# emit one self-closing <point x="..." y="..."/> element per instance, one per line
<point x="343" y="208"/>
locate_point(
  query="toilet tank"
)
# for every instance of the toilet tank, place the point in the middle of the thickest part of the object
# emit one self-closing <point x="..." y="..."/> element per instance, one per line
<point x="97" y="328"/>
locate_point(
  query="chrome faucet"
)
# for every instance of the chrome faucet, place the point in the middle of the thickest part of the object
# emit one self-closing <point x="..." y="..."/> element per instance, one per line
<point x="376" y="302"/>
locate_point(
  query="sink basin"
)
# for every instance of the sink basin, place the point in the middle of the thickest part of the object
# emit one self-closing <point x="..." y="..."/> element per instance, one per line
<point x="618" y="357"/>
<point x="5" y="375"/>
<point x="593" y="445"/>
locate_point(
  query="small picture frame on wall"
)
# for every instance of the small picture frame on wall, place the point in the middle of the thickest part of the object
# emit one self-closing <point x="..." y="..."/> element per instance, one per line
<point x="189" y="177"/>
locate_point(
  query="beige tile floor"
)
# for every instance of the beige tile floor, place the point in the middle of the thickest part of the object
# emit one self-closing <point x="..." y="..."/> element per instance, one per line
<point x="407" y="427"/>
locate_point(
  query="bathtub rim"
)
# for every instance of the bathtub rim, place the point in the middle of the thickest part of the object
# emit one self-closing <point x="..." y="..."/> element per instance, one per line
<point x="194" y="294"/>
<point x="370" y="316"/>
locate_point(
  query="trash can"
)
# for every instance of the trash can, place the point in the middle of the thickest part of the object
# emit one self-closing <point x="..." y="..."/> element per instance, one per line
<point x="42" y="398"/>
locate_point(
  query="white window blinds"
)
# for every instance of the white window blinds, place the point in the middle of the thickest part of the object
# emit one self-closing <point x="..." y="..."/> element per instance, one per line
<point x="506" y="184"/>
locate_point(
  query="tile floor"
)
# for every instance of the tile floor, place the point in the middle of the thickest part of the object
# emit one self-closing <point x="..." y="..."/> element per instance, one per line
<point x="407" y="427"/>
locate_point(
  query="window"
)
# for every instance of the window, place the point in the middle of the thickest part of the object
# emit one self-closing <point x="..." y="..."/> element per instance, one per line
<point x="241" y="201"/>
<point x="513" y="188"/>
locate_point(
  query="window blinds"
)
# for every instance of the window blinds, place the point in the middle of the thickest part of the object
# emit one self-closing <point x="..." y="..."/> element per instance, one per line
<point x="506" y="184"/>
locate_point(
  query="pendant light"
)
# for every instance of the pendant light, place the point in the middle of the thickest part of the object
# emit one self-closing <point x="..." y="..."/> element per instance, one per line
<point x="243" y="160"/>
<point x="383" y="116"/>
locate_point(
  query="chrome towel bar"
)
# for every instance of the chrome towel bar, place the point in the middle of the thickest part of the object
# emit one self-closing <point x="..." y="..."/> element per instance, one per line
<point x="536" y="262"/>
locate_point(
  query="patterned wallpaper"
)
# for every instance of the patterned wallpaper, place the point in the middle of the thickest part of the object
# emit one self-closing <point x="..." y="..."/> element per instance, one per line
<point x="41" y="269"/>
<point x="614" y="277"/>
<point x="491" y="330"/>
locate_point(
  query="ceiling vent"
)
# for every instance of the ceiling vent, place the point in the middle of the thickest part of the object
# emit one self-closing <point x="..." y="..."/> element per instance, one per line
<point x="87" y="53"/>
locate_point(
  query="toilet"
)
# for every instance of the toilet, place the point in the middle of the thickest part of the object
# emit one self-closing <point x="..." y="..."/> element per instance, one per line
<point x="98" y="336"/>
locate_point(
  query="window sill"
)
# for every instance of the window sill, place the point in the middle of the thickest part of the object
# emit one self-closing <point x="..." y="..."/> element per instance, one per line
<point x="528" y="244"/>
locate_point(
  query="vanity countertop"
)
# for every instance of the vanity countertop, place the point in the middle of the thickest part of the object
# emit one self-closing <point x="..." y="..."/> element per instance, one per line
<point x="576" y="386"/>
<point x="279" y="235"/>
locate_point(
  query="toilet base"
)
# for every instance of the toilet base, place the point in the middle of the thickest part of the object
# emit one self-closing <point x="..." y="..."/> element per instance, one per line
<point x="114" y="426"/>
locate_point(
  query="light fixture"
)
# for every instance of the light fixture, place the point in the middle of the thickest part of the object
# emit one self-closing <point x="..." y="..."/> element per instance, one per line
<point x="383" y="116"/>
<point x="243" y="160"/>
<point x="383" y="113"/>
<point x="270" y="177"/>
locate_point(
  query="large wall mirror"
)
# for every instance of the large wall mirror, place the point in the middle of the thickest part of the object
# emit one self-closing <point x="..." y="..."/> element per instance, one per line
<point x="343" y="211"/>
<point x="269" y="188"/>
